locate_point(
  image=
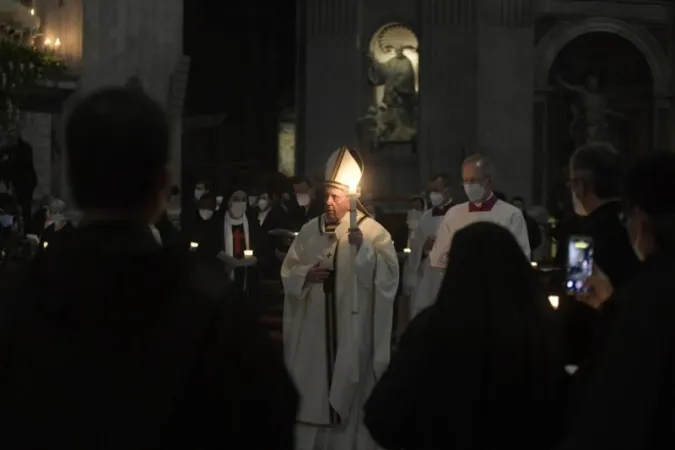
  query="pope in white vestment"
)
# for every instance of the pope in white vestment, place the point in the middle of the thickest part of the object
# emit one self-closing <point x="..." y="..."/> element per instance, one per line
<point x="339" y="287"/>
<point x="483" y="206"/>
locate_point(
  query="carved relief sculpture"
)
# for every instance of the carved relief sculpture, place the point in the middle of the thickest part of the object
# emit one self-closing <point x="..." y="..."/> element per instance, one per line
<point x="393" y="73"/>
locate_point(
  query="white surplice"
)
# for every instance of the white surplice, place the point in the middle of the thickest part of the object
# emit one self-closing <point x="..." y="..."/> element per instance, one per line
<point x="347" y="330"/>
<point x="460" y="216"/>
<point x="418" y="273"/>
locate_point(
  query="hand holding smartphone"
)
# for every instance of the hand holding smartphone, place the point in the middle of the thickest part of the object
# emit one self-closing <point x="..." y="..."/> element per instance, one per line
<point x="579" y="263"/>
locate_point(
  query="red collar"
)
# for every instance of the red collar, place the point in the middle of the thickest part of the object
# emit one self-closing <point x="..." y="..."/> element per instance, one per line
<point x="487" y="205"/>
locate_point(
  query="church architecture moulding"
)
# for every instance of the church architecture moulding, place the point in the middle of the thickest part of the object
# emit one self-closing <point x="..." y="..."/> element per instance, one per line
<point x="560" y="35"/>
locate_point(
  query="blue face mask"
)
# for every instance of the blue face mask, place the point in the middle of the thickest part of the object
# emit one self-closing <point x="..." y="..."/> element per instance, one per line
<point x="6" y="220"/>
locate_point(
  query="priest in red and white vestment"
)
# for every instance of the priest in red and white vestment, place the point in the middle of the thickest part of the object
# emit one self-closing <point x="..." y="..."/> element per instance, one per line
<point x="340" y="279"/>
<point x="483" y="206"/>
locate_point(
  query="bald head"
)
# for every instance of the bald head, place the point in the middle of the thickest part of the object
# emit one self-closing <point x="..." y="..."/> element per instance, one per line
<point x="481" y="165"/>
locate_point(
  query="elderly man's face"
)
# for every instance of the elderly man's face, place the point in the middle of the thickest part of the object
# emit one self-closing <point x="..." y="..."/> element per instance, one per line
<point x="337" y="204"/>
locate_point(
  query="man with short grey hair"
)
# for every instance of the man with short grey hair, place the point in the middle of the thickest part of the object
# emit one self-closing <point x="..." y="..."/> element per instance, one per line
<point x="596" y="177"/>
<point x="478" y="174"/>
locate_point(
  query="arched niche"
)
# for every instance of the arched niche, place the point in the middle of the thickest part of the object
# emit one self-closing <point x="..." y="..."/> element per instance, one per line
<point x="383" y="45"/>
<point x="562" y="34"/>
<point x="393" y="73"/>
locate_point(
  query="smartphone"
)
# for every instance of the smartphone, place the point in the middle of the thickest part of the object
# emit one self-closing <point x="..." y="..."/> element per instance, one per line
<point x="579" y="263"/>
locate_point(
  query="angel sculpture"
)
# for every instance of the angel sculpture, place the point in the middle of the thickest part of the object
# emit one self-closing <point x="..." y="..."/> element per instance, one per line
<point x="399" y="100"/>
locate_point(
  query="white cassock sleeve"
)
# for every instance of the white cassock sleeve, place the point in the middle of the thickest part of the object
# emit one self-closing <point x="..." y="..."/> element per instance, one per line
<point x="415" y="257"/>
<point x="293" y="274"/>
<point x="438" y="256"/>
<point x="376" y="269"/>
<point x="519" y="229"/>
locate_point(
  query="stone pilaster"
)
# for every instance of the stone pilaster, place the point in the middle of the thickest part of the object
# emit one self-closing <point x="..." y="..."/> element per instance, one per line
<point x="142" y="38"/>
<point x="330" y="105"/>
<point x="504" y="91"/>
<point x="447" y="84"/>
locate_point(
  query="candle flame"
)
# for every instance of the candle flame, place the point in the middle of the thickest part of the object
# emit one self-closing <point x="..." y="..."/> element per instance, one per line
<point x="554" y="300"/>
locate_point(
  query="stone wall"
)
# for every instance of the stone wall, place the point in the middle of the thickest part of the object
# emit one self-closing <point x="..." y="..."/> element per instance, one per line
<point x="476" y="84"/>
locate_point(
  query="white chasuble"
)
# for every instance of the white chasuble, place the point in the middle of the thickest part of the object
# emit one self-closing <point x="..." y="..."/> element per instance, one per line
<point x="337" y="335"/>
<point x="418" y="274"/>
<point x="463" y="215"/>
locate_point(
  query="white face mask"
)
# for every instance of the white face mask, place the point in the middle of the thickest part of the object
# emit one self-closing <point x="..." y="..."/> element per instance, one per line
<point x="205" y="214"/>
<point x="199" y="192"/>
<point x="475" y="192"/>
<point x="436" y="198"/>
<point x="252" y="201"/>
<point x="578" y="206"/>
<point x="237" y="209"/>
<point x="263" y="203"/>
<point x="303" y="199"/>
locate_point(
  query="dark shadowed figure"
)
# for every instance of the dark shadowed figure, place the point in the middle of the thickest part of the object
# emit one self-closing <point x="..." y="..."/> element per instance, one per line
<point x="489" y="343"/>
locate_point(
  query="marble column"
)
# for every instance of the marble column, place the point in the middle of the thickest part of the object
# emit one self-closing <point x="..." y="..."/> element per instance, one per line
<point x="142" y="38"/>
<point x="476" y="87"/>
<point x="505" y="91"/>
<point x="447" y="85"/>
<point x="332" y="77"/>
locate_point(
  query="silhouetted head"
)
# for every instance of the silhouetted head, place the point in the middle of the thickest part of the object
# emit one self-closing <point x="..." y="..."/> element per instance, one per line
<point x="650" y="205"/>
<point x="117" y="146"/>
<point x="487" y="265"/>
<point x="595" y="176"/>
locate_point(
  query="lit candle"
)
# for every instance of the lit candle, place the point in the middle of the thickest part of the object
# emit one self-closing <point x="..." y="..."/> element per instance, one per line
<point x="534" y="264"/>
<point x="554" y="300"/>
<point x="194" y="245"/>
<point x="57" y="43"/>
<point x="406" y="250"/>
<point x="248" y="253"/>
<point x="45" y="244"/>
<point x="295" y="233"/>
<point x="32" y="11"/>
<point x="48" y="42"/>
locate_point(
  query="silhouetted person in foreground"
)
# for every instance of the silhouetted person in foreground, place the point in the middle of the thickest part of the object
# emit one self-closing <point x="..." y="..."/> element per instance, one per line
<point x="627" y="401"/>
<point x="464" y="362"/>
<point x="115" y="341"/>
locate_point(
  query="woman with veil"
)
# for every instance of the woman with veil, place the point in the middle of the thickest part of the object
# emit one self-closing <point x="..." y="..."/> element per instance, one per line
<point x="481" y="368"/>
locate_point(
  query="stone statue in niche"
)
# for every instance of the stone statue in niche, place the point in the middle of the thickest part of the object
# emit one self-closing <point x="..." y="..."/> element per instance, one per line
<point x="393" y="115"/>
<point x="589" y="115"/>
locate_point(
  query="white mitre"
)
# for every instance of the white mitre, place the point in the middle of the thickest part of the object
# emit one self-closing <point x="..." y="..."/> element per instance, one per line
<point x="344" y="169"/>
